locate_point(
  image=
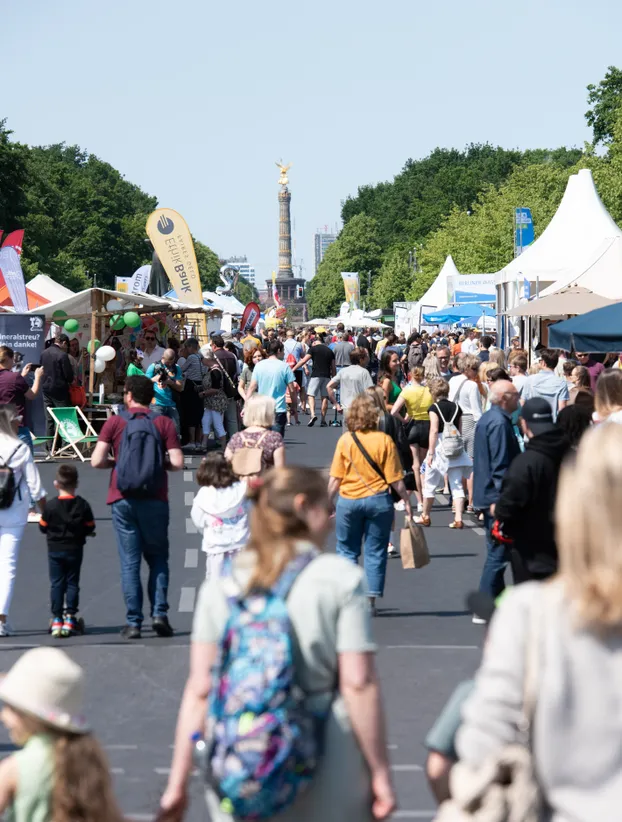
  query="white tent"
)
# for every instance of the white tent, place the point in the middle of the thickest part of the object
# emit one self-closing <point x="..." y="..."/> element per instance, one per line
<point x="580" y="231"/>
<point x="600" y="273"/>
<point x="408" y="314"/>
<point x="82" y="303"/>
<point x="226" y="303"/>
<point x="48" y="288"/>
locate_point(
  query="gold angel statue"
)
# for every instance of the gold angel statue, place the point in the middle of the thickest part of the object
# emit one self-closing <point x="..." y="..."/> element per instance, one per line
<point x="283" y="179"/>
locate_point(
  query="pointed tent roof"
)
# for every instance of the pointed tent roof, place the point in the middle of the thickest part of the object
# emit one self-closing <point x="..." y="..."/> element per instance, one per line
<point x="577" y="232"/>
<point x="601" y="273"/>
<point x="437" y="293"/>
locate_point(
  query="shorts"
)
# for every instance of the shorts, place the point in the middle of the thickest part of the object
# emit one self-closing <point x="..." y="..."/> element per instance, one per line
<point x="419" y="433"/>
<point x="298" y="377"/>
<point x="317" y="387"/>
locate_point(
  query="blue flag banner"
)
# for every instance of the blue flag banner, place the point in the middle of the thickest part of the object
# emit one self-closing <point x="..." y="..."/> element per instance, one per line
<point x="526" y="289"/>
<point x="523" y="234"/>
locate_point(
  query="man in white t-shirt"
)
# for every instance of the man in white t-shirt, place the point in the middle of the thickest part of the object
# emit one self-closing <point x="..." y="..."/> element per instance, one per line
<point x="152" y="352"/>
<point x="469" y="346"/>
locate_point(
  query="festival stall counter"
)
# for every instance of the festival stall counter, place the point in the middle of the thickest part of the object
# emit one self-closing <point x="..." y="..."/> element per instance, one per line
<point x="107" y="324"/>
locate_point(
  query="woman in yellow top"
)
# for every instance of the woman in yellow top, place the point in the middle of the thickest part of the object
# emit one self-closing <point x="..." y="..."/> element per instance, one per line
<point x="417" y="399"/>
<point x="364" y="508"/>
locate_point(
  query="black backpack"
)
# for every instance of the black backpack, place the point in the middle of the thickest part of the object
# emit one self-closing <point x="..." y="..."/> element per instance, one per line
<point x="140" y="462"/>
<point x="8" y="488"/>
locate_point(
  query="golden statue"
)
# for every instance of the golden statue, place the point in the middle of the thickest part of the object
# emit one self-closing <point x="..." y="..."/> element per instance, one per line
<point x="283" y="179"/>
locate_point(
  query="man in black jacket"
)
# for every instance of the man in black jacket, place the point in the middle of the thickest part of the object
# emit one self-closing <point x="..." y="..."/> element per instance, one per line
<point x="57" y="377"/>
<point x="525" y="510"/>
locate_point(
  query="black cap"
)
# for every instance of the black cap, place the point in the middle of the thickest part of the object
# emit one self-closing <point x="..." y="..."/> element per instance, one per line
<point x="538" y="415"/>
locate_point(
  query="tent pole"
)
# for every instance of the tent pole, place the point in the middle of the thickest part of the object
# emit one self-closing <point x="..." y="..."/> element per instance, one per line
<point x="92" y="357"/>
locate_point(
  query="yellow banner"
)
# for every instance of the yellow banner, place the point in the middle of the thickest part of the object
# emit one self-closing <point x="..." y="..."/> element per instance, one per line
<point x="172" y="241"/>
<point x="351" y="287"/>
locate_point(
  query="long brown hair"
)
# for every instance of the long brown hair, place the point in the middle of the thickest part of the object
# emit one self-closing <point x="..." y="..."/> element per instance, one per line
<point x="82" y="784"/>
<point x="275" y="522"/>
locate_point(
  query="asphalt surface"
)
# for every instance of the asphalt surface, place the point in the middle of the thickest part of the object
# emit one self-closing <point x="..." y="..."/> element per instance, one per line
<point x="426" y="640"/>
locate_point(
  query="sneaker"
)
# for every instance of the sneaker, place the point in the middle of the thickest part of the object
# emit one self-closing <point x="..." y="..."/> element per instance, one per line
<point x="323" y="424"/>
<point x="400" y="506"/>
<point x="162" y="626"/>
<point x="57" y="628"/>
<point x="391" y="550"/>
<point x="70" y="626"/>
<point x="288" y="425"/>
<point x="478" y="621"/>
<point x="130" y="632"/>
<point x="420" y="508"/>
<point x="312" y="422"/>
<point x="5" y="629"/>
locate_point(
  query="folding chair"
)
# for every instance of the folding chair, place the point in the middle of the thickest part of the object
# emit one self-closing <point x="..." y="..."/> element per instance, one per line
<point x="69" y="430"/>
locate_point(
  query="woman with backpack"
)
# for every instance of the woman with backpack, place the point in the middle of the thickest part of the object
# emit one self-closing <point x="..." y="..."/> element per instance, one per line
<point x="320" y="622"/>
<point x="446" y="454"/>
<point x="259" y="416"/>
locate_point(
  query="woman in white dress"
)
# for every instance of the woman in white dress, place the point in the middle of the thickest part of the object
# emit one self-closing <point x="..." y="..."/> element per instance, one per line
<point x="15" y="455"/>
<point x="468" y="392"/>
<point x="444" y="415"/>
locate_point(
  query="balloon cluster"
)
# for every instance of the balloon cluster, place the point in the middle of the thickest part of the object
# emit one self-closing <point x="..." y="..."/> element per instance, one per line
<point x="103" y="354"/>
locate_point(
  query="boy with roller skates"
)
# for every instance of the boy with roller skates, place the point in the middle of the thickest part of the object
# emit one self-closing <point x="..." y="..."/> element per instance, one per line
<point x="66" y="521"/>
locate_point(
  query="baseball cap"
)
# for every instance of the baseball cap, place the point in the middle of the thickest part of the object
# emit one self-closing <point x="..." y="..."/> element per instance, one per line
<point x="538" y="415"/>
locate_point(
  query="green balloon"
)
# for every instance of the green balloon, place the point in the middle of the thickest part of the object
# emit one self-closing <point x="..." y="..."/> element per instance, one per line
<point x="117" y="322"/>
<point x="71" y="326"/>
<point x="93" y="346"/>
<point x="59" y="315"/>
<point x="132" y="319"/>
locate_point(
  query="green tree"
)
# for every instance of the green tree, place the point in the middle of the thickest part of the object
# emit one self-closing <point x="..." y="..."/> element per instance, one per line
<point x="245" y="291"/>
<point x="13" y="174"/>
<point x="605" y="99"/>
<point x="395" y="282"/>
<point x="356" y="249"/>
<point x="209" y="266"/>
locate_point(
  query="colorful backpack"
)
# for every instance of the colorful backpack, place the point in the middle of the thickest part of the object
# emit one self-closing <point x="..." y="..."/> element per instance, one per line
<point x="263" y="741"/>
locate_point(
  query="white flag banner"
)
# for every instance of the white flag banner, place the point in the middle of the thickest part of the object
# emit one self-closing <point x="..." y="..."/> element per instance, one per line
<point x="14" y="278"/>
<point x="140" y="280"/>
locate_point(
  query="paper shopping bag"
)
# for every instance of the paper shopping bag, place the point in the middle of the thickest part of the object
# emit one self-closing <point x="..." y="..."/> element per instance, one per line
<point x="413" y="547"/>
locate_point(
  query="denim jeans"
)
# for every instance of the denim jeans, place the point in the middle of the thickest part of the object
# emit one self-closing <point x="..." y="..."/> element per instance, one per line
<point x="280" y="420"/>
<point x="492" y="581"/>
<point x="65" y="581"/>
<point x="23" y="432"/>
<point x="141" y="529"/>
<point x="366" y="522"/>
<point x="169" y="411"/>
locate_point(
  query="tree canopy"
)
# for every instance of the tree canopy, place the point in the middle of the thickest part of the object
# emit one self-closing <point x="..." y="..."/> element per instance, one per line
<point x="83" y="220"/>
<point x="605" y="99"/>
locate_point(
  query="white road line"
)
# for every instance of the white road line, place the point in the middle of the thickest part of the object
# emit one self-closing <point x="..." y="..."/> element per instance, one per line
<point x="121" y="747"/>
<point x="187" y="460"/>
<point x="430" y="647"/>
<point x="190" y="526"/>
<point x="392" y="747"/>
<point x="192" y="558"/>
<point x="188" y="498"/>
<point x="404" y="768"/>
<point x="186" y="600"/>
<point x="162" y="771"/>
<point x="441" y="499"/>
<point x="139" y="817"/>
<point x="117" y="771"/>
<point x="479" y="531"/>
<point x="411" y="815"/>
<point x="188" y="476"/>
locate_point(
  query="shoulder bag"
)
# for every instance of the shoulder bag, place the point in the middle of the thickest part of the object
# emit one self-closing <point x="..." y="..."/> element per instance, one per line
<point x="374" y="465"/>
<point x="246" y="461"/>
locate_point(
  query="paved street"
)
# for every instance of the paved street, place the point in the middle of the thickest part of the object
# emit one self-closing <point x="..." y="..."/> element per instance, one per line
<point x="426" y="639"/>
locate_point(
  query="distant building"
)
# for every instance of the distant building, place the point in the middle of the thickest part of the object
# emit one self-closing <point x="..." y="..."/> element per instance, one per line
<point x="246" y="269"/>
<point x="322" y="241"/>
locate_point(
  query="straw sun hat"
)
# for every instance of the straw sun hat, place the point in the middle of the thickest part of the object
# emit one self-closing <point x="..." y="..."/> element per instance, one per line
<point x="47" y="684"/>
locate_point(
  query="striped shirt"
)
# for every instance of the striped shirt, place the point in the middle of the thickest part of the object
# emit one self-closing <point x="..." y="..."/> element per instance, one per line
<point x="192" y="368"/>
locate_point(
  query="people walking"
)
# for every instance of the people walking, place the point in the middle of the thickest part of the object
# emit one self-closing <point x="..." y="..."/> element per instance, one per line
<point x="495" y="447"/>
<point x="166" y="377"/>
<point x="259" y="433"/>
<point x="364" y="468"/>
<point x="229" y="364"/>
<point x="323" y="362"/>
<point x="334" y="667"/>
<point x="547" y="384"/>
<point x="144" y="447"/>
<point x="352" y="380"/>
<point x="19" y="484"/>
<point x="57" y="377"/>
<point x="66" y="522"/>
<point x="416" y="399"/>
<point x="272" y="377"/>
<point x="467" y="391"/>
<point x="388" y="378"/>
<point x="252" y="356"/>
<point x="219" y="511"/>
<point x="214" y="399"/>
<point x="192" y="370"/>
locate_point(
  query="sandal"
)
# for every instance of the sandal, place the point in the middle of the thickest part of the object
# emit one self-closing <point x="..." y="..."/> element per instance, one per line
<point x="457" y="525"/>
<point x="422" y="520"/>
<point x="470" y="509"/>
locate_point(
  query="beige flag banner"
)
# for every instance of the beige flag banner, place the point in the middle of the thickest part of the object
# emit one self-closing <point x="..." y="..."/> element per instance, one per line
<point x="172" y="241"/>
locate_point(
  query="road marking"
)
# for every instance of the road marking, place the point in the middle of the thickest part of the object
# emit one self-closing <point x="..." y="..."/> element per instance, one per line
<point x="392" y="747"/>
<point x="188" y="476"/>
<point x="440" y="498"/>
<point x="187" y="460"/>
<point x="186" y="600"/>
<point x="188" y="497"/>
<point x="190" y="526"/>
<point x="121" y="747"/>
<point x="431" y="647"/>
<point x="192" y="558"/>
<point x="162" y="771"/>
<point x="404" y="768"/>
<point x="117" y="771"/>
<point x="479" y="531"/>
<point x="411" y="815"/>
<point x="139" y="817"/>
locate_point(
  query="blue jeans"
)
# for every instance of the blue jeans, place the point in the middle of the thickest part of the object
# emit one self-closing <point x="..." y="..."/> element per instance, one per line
<point x="141" y="529"/>
<point x="169" y="411"/>
<point x="492" y="581"/>
<point x="280" y="420"/>
<point x="366" y="522"/>
<point x="23" y="432"/>
<point x="65" y="581"/>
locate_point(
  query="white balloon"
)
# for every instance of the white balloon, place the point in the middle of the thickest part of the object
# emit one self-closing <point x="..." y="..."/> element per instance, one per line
<point x="114" y="305"/>
<point x="100" y="366"/>
<point x="105" y="353"/>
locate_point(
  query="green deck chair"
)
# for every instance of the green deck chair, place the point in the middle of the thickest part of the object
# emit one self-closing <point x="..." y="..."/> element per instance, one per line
<point x="69" y="422"/>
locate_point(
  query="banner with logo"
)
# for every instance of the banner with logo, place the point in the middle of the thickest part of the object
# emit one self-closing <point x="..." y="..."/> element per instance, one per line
<point x="523" y="234"/>
<point x="471" y="288"/>
<point x="250" y="317"/>
<point x="25" y="334"/>
<point x="352" y="288"/>
<point x="138" y="282"/>
<point x="173" y="244"/>
<point x="13" y="277"/>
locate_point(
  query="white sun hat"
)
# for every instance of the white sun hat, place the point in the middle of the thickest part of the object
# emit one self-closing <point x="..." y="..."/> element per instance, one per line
<point x="47" y="684"/>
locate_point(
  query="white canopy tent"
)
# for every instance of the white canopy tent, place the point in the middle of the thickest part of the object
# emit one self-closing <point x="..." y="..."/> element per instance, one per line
<point x="601" y="273"/>
<point x="82" y="303"/>
<point x="408" y="314"/>
<point x="48" y="288"/>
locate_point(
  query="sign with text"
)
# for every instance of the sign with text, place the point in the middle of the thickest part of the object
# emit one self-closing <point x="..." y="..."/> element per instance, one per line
<point x="25" y="334"/>
<point x="471" y="288"/>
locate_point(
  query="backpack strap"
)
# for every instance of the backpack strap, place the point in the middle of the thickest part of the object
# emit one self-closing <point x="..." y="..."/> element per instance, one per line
<point x="282" y="586"/>
<point x="11" y="455"/>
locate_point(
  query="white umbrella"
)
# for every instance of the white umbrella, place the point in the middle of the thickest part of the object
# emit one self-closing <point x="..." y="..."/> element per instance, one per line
<point x="319" y="322"/>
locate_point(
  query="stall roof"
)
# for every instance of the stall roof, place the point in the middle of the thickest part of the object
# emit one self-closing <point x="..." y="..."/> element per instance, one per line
<point x="597" y="331"/>
<point x="82" y="303"/>
<point x="48" y="288"/>
<point x="566" y="301"/>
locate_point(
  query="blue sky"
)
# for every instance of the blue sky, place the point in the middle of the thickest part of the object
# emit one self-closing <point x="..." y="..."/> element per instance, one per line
<point x="195" y="100"/>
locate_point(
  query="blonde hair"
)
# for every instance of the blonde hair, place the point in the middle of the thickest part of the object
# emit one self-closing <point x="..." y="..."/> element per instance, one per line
<point x="431" y="367"/>
<point x="484" y="368"/>
<point x="608" y="396"/>
<point x="588" y="527"/>
<point x="259" y="410"/>
<point x="276" y="519"/>
<point x="439" y="388"/>
<point x="362" y="414"/>
<point x="377" y="395"/>
<point x="417" y="373"/>
<point x="498" y="357"/>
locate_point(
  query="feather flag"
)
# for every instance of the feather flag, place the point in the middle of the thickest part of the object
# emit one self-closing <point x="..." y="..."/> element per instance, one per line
<point x="14" y="240"/>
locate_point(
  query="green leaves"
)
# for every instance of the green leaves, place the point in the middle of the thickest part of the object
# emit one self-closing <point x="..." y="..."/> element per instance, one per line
<point x="605" y="99"/>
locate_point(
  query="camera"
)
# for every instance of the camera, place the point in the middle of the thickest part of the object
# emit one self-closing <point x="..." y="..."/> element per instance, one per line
<point x="161" y="371"/>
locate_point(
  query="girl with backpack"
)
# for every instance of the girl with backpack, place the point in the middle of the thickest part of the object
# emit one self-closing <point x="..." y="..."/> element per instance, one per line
<point x="214" y="399"/>
<point x="219" y="511"/>
<point x="322" y="608"/>
<point x="447" y="455"/>
<point x="60" y="772"/>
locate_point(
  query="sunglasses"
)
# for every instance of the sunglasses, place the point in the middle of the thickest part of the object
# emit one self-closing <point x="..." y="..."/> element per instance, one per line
<point x="150" y="339"/>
